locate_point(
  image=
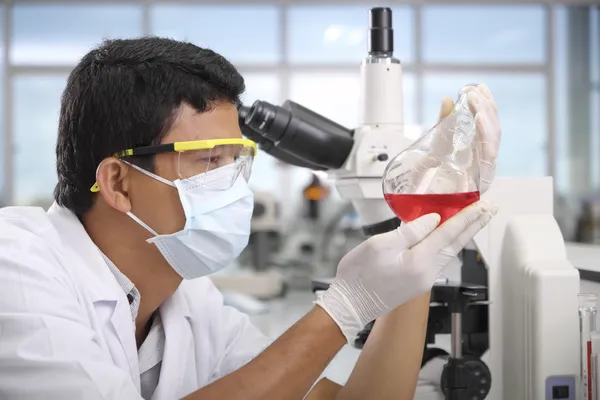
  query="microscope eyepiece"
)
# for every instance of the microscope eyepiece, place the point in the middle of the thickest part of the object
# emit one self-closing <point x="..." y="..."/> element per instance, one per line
<point x="381" y="33"/>
<point x="303" y="133"/>
<point x="267" y="119"/>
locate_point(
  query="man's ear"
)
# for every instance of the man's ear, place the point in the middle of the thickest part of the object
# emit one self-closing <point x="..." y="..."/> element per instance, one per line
<point x="112" y="177"/>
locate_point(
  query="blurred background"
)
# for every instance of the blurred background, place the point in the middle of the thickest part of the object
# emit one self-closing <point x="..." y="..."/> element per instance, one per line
<point x="541" y="61"/>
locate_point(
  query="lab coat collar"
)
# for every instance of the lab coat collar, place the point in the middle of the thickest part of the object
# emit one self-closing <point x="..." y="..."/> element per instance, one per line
<point x="75" y="238"/>
<point x="106" y="294"/>
<point x="175" y="314"/>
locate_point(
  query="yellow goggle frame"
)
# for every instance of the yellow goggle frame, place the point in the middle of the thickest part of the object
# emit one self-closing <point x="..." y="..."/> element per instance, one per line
<point x="179" y="147"/>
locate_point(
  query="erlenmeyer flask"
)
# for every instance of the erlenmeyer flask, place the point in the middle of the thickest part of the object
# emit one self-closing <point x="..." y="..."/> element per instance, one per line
<point x="439" y="173"/>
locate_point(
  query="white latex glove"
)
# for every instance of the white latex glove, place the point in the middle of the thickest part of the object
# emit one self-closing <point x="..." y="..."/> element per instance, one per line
<point x="387" y="270"/>
<point x="488" y="134"/>
<point x="488" y="131"/>
<point x="486" y="142"/>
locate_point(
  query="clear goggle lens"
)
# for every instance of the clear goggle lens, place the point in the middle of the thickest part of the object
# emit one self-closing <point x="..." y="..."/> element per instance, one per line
<point x="216" y="168"/>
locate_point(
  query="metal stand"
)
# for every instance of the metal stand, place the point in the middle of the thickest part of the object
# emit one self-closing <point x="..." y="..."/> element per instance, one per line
<point x="464" y="377"/>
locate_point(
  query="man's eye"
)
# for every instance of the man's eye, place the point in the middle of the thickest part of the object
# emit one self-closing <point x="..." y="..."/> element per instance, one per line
<point x="209" y="160"/>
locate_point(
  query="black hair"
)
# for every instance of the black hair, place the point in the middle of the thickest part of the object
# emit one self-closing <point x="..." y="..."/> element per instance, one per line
<point x="125" y="94"/>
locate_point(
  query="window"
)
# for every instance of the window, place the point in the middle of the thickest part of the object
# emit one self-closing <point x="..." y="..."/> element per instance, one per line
<point x="561" y="117"/>
<point x="336" y="95"/>
<point x="62" y="34"/>
<point x="261" y="86"/>
<point x="35" y="120"/>
<point x="336" y="34"/>
<point x="595" y="93"/>
<point x="567" y="163"/>
<point x="3" y="195"/>
<point x="243" y="34"/>
<point x="250" y="36"/>
<point x="595" y="133"/>
<point x="484" y="34"/>
<point x="521" y="101"/>
<point x="595" y="44"/>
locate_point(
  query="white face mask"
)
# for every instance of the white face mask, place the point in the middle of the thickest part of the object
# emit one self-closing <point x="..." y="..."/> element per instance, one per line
<point x="217" y="223"/>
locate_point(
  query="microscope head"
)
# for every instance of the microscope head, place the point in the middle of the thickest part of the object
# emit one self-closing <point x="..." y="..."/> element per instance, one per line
<point x="311" y="139"/>
<point x="381" y="32"/>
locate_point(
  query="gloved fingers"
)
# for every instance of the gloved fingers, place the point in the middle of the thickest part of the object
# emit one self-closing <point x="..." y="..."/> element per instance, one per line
<point x="492" y="105"/>
<point x="443" y="134"/>
<point x="487" y="93"/>
<point x="487" y="138"/>
<point x="407" y="235"/>
<point x="487" y="173"/>
<point x="477" y="102"/>
<point x="481" y="100"/>
<point x="467" y="235"/>
<point x="415" y="231"/>
<point x="450" y="230"/>
<point x="446" y="107"/>
<point x="445" y="124"/>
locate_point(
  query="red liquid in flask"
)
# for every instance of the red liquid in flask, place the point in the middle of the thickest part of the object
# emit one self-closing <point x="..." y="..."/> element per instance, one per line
<point x="409" y="207"/>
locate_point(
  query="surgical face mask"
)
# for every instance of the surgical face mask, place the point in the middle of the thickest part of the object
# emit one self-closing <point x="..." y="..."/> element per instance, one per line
<point x="217" y="222"/>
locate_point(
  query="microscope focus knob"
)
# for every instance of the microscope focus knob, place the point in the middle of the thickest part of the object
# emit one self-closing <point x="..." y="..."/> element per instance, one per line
<point x="466" y="378"/>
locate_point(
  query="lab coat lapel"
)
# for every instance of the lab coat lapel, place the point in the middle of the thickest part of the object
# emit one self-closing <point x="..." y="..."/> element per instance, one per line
<point x="177" y="367"/>
<point x="110" y="302"/>
<point x="124" y="329"/>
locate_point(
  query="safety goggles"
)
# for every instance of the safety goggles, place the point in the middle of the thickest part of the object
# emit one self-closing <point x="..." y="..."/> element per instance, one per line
<point x="201" y="160"/>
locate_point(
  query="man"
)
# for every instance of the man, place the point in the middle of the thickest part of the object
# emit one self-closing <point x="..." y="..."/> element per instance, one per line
<point x="105" y="296"/>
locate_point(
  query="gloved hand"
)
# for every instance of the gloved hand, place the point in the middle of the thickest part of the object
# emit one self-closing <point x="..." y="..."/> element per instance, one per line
<point x="389" y="269"/>
<point x="488" y="131"/>
<point x="486" y="143"/>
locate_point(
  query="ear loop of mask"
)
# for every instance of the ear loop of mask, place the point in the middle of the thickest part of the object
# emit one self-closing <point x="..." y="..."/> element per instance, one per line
<point x="142" y="223"/>
<point x="151" y="175"/>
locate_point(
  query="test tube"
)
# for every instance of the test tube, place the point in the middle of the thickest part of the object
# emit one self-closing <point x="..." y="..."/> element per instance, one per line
<point x="594" y="376"/>
<point x="587" y="324"/>
<point x="595" y="335"/>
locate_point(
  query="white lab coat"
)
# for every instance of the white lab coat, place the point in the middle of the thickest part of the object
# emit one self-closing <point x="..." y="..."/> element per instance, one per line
<point x="66" y="330"/>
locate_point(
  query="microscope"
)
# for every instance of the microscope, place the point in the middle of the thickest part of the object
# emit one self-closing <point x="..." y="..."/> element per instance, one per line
<point x="512" y="314"/>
